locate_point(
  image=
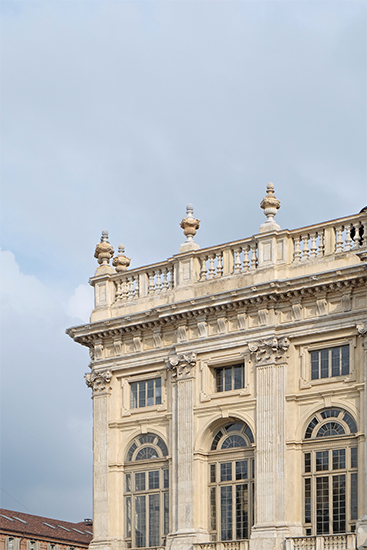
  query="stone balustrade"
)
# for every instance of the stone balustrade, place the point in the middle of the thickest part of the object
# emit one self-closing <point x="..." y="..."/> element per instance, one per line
<point x="325" y="542"/>
<point x="223" y="545"/>
<point x="251" y="259"/>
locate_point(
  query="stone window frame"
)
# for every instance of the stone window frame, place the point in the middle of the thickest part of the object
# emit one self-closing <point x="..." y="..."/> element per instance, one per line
<point x="325" y="343"/>
<point x="207" y="376"/>
<point x="126" y="381"/>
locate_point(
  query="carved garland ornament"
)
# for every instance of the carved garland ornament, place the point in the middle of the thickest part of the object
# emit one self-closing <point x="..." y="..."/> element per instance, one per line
<point x="270" y="351"/>
<point x="181" y="364"/>
<point x="98" y="380"/>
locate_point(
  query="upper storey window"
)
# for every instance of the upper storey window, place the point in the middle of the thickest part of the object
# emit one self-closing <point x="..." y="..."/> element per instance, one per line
<point x="229" y="378"/>
<point x="146" y="393"/>
<point x="326" y="363"/>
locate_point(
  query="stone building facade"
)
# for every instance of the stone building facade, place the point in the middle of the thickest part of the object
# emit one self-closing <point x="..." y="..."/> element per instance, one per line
<point x="229" y="391"/>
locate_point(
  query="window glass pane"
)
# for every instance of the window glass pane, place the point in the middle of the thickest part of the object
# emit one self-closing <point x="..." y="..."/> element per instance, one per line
<point x="226" y="525"/>
<point x="339" y="504"/>
<point x="322" y="460"/>
<point x="226" y="471"/>
<point x="128" y="517"/>
<point x="148" y="438"/>
<point x="330" y="413"/>
<point x="310" y="428"/>
<point x="128" y="483"/>
<point x="163" y="447"/>
<point x="212" y="473"/>
<point x="166" y="513"/>
<point x="234" y="427"/>
<point x="154" y="520"/>
<point x="131" y="451"/>
<point x="353" y="496"/>
<point x="142" y="394"/>
<point x="308" y="500"/>
<point x="354" y="457"/>
<point x="213" y="510"/>
<point x="134" y="395"/>
<point x="248" y="432"/>
<point x="241" y="469"/>
<point x="153" y="479"/>
<point x="335" y="362"/>
<point x="238" y="377"/>
<point x="315" y="365"/>
<point x="150" y="393"/>
<point x="351" y="423"/>
<point x="242" y="511"/>
<point x="216" y="440"/>
<point x="228" y="379"/>
<point x="146" y="453"/>
<point x="219" y="379"/>
<point x="331" y="428"/>
<point x="345" y="359"/>
<point x="307" y="462"/>
<point x="233" y="441"/>
<point x="324" y="362"/>
<point x="165" y="479"/>
<point x="338" y="459"/>
<point x="158" y="391"/>
<point x="140" y="481"/>
<point x="140" y="522"/>
<point x="322" y="505"/>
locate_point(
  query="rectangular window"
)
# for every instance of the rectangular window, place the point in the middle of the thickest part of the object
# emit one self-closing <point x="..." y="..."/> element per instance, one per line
<point x="353" y="496"/>
<point x="226" y="526"/>
<point x="226" y="471"/>
<point x="153" y="478"/>
<point x="339" y="459"/>
<point x="307" y="500"/>
<point x="146" y="393"/>
<point x="339" y="511"/>
<point x="140" y="481"/>
<point x="330" y="362"/>
<point x="242" y="511"/>
<point x="307" y="462"/>
<point x="322" y="460"/>
<point x="241" y="469"/>
<point x="154" y="520"/>
<point x="166" y="513"/>
<point x="354" y="457"/>
<point x="229" y="378"/>
<point x="212" y="473"/>
<point x="140" y="522"/>
<point x="213" y="510"/>
<point x="322" y="505"/>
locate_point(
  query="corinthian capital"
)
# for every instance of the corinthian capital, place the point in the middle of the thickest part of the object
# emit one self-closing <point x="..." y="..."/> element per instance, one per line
<point x="181" y="364"/>
<point x="98" y="380"/>
<point x="271" y="351"/>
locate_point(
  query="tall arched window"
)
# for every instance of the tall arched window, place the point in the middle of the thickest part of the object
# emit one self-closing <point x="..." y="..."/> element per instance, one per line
<point x="330" y="471"/>
<point x="231" y="482"/>
<point x="146" y="492"/>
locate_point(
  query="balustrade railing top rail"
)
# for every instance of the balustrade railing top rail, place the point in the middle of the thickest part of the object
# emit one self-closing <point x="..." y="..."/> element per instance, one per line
<point x="244" y="256"/>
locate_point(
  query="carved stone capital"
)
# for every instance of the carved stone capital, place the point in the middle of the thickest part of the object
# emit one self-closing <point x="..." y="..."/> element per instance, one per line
<point x="98" y="380"/>
<point x="181" y="365"/>
<point x="361" y="329"/>
<point x="271" y="351"/>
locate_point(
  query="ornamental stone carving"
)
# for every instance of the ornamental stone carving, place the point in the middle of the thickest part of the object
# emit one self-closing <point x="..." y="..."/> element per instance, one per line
<point x="181" y="365"/>
<point x="362" y="329"/>
<point x="189" y="225"/>
<point x="272" y="351"/>
<point x="121" y="262"/>
<point x="104" y="252"/>
<point x="98" y="380"/>
<point x="270" y="204"/>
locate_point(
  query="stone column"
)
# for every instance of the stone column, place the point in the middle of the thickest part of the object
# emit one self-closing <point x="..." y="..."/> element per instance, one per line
<point x="99" y="382"/>
<point x="182" y="367"/>
<point x="361" y="527"/>
<point x="270" y="528"/>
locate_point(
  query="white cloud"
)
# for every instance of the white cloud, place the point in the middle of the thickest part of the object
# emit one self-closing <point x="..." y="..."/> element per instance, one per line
<point x="81" y="303"/>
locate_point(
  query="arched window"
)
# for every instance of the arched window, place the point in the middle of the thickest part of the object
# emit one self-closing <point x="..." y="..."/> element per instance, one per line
<point x="330" y="472"/>
<point x="231" y="482"/>
<point x="146" y="492"/>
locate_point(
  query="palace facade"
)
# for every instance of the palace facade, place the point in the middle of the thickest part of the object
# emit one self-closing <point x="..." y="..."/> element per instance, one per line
<point x="229" y="391"/>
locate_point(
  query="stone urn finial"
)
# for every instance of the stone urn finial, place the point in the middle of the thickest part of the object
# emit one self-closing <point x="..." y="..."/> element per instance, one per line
<point x="270" y="204"/>
<point x="121" y="262"/>
<point x="189" y="225"/>
<point x="104" y="252"/>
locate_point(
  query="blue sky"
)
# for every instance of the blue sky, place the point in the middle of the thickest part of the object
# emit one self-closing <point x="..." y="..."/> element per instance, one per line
<point x="117" y="114"/>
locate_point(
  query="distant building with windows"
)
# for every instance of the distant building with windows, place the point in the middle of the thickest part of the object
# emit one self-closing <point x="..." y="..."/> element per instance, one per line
<point x="19" y="531"/>
<point x="229" y="391"/>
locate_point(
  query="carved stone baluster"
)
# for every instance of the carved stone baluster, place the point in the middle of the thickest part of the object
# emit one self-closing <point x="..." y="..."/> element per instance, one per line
<point x="118" y="295"/>
<point x="237" y="260"/>
<point x="211" y="272"/>
<point x="348" y="238"/>
<point x="171" y="282"/>
<point x="321" y="250"/>
<point x="151" y="285"/>
<point x="158" y="285"/>
<point x="339" y="239"/>
<point x="253" y="248"/>
<point x="203" y="270"/>
<point x="246" y="261"/>
<point x="125" y="291"/>
<point x="306" y="251"/>
<point x="165" y="284"/>
<point x="220" y="265"/>
<point x="136" y="293"/>
<point x="130" y="286"/>
<point x="313" y="249"/>
<point x="297" y="249"/>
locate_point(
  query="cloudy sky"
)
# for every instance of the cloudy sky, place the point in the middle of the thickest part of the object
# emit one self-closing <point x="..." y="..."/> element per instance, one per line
<point x="115" y="115"/>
